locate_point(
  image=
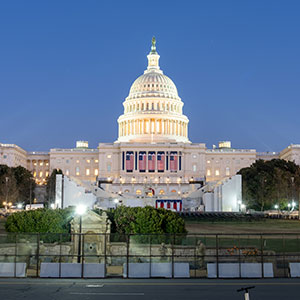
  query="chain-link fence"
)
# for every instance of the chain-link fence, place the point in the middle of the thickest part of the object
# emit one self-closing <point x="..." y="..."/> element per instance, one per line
<point x="92" y="255"/>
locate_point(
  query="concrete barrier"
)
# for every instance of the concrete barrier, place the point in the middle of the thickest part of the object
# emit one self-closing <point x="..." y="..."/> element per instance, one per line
<point x="72" y="270"/>
<point x="246" y="270"/>
<point x="12" y="269"/>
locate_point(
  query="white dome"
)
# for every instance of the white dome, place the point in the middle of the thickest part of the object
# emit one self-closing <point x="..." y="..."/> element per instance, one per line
<point x="153" y="84"/>
<point x="153" y="109"/>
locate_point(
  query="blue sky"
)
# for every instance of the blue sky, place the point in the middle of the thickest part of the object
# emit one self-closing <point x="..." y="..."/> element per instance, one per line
<point x="67" y="66"/>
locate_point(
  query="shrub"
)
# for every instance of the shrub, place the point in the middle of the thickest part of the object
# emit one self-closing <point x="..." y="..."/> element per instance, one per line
<point x="41" y="221"/>
<point x="146" y="220"/>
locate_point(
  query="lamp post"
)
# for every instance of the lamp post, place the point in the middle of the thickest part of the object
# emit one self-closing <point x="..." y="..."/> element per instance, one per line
<point x="80" y="210"/>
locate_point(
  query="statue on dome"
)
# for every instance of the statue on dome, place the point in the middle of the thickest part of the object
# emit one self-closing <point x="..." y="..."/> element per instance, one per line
<point x="153" y="47"/>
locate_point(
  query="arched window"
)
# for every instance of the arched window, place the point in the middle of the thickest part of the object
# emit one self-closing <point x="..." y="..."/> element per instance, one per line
<point x="173" y="191"/>
<point x="138" y="192"/>
<point x="161" y="192"/>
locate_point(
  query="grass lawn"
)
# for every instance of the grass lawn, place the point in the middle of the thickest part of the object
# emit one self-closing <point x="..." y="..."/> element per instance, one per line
<point x="263" y="226"/>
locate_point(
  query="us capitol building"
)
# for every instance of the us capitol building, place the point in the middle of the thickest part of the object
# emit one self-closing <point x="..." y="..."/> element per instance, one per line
<point x="153" y="156"/>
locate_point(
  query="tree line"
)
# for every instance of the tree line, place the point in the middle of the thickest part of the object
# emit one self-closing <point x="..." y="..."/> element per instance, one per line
<point x="16" y="185"/>
<point x="269" y="183"/>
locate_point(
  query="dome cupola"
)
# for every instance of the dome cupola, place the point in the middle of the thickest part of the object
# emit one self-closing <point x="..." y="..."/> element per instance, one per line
<point x="153" y="109"/>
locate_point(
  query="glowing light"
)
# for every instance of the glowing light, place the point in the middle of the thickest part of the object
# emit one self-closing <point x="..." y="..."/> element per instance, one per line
<point x="80" y="209"/>
<point x="52" y="205"/>
<point x="276" y="206"/>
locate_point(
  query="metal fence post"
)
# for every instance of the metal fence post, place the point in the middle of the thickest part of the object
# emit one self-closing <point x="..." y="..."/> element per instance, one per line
<point x="173" y="246"/>
<point x="15" y="260"/>
<point x="150" y="253"/>
<point x="38" y="255"/>
<point x="239" y="249"/>
<point x="105" y="240"/>
<point x="262" y="255"/>
<point x="82" y="255"/>
<point x="127" y="256"/>
<point x="217" y="255"/>
<point x="284" y="256"/>
<point x="59" y="261"/>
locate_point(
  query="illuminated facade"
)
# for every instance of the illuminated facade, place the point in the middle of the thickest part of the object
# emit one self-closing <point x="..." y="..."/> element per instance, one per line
<point x="152" y="156"/>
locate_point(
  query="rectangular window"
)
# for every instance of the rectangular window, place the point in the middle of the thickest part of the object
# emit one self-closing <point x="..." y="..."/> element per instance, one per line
<point x="208" y="173"/>
<point x="217" y="173"/>
<point x="96" y="160"/>
<point x="77" y="171"/>
<point x="67" y="172"/>
<point x="87" y="172"/>
<point x="96" y="172"/>
<point x="41" y="174"/>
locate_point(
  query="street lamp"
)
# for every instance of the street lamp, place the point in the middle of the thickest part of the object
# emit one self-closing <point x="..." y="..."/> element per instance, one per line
<point x="80" y="210"/>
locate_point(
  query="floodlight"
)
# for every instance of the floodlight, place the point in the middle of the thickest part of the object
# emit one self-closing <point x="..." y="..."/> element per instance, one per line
<point x="19" y="205"/>
<point x="80" y="209"/>
<point x="52" y="205"/>
<point x="276" y="206"/>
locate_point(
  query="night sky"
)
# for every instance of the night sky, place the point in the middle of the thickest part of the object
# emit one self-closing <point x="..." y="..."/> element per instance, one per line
<point x="67" y="66"/>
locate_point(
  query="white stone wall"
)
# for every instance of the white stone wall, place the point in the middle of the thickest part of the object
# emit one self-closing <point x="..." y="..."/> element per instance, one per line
<point x="72" y="194"/>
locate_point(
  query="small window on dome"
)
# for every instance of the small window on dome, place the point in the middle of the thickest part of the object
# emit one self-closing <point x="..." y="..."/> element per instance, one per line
<point x="152" y="85"/>
<point x="148" y="85"/>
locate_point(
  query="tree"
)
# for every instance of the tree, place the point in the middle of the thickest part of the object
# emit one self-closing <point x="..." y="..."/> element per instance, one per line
<point x="9" y="192"/>
<point x="16" y="184"/>
<point x="25" y="184"/>
<point x="266" y="183"/>
<point x="146" y="220"/>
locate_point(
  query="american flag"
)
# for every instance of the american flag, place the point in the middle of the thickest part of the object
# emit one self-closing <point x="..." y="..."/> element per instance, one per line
<point x="129" y="161"/>
<point x="175" y="205"/>
<point x="142" y="161"/>
<point x="173" y="162"/>
<point x="160" y="162"/>
<point x="151" y="161"/>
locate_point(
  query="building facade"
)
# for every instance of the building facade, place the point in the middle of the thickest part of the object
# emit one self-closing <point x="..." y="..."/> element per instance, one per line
<point x="152" y="156"/>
